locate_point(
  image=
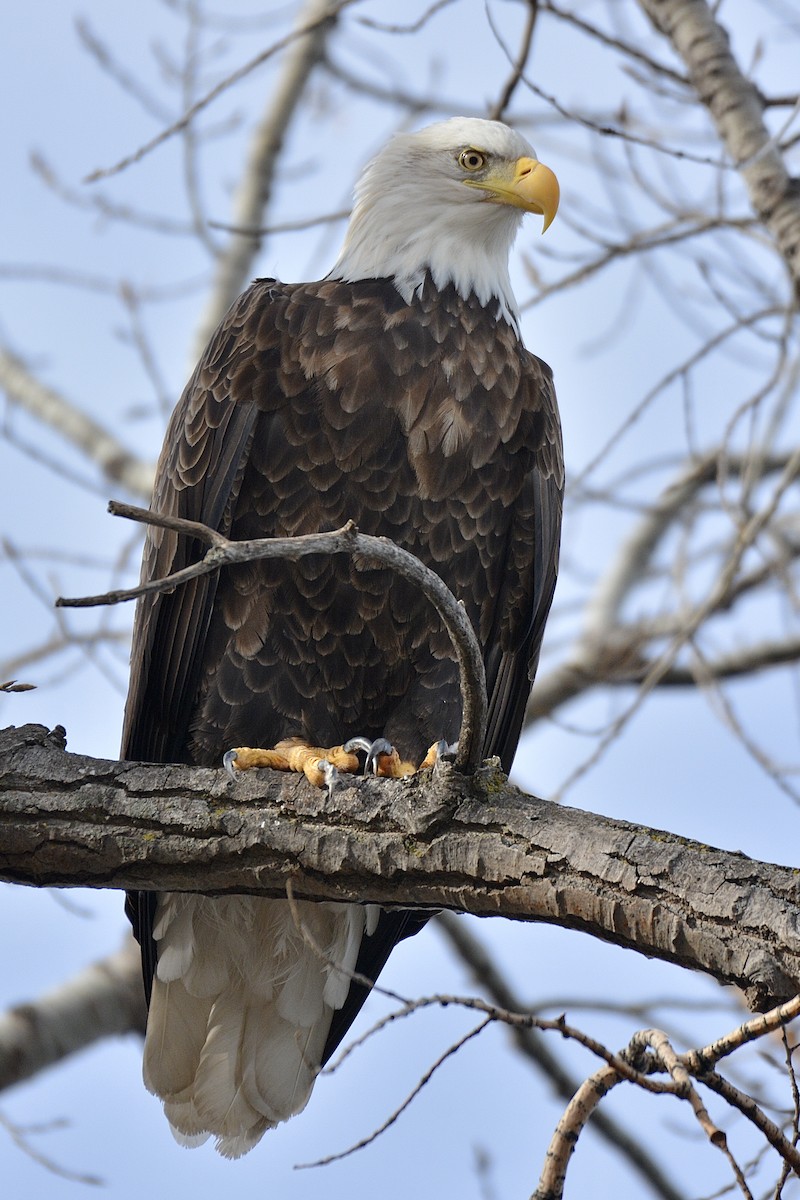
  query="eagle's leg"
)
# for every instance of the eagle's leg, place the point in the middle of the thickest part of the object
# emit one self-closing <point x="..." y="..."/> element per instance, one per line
<point x="382" y="758"/>
<point x="293" y="754"/>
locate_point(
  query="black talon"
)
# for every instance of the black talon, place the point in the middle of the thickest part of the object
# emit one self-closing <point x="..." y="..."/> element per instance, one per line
<point x="372" y="750"/>
<point x="378" y="747"/>
<point x="357" y="743"/>
<point x="331" y="776"/>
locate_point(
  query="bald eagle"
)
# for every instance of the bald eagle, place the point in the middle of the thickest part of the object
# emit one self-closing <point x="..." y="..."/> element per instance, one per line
<point x="396" y="393"/>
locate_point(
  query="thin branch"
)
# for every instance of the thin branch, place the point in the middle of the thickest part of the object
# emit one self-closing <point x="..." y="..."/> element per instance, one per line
<point x="607" y="130"/>
<point x="414" y="27"/>
<point x="189" y="139"/>
<point x="748" y="660"/>
<point x="103" y="206"/>
<point x="596" y="34"/>
<point x="20" y="1136"/>
<point x="533" y="1046"/>
<point x="674" y="232"/>
<point x="299" y="226"/>
<point x="234" y="265"/>
<point x="748" y="1107"/>
<point x="498" y="109"/>
<point x="390" y="1120"/>
<point x="415" y="103"/>
<point x="332" y="10"/>
<point x="46" y="273"/>
<point x="609" y="651"/>
<point x="119" y="73"/>
<point x="650" y="1050"/>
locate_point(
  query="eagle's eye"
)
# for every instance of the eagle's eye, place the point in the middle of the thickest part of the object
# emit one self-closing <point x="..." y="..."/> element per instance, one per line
<point x="471" y="160"/>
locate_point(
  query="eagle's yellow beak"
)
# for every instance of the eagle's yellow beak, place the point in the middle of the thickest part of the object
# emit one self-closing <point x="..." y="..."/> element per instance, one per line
<point x="528" y="184"/>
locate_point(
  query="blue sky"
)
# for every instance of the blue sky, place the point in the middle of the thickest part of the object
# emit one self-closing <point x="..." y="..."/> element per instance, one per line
<point x="678" y="765"/>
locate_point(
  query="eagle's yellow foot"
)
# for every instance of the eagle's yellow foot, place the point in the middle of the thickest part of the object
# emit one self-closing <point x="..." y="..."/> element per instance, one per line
<point x="293" y="754"/>
<point x="382" y="758"/>
<point x="321" y="765"/>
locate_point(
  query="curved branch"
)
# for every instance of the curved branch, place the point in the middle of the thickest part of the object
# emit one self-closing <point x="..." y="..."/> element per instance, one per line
<point x="441" y="840"/>
<point x="360" y="546"/>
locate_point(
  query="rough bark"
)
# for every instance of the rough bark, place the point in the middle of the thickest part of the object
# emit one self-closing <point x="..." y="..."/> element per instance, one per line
<point x="474" y="844"/>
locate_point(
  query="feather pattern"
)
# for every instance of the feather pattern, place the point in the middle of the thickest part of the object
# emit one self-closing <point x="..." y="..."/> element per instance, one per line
<point x="416" y="412"/>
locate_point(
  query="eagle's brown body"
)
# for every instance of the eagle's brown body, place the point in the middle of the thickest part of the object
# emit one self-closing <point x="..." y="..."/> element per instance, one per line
<point x="428" y="423"/>
<point x="424" y="420"/>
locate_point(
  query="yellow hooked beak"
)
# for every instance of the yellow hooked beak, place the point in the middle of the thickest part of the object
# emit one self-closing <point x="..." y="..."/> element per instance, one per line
<point x="525" y="184"/>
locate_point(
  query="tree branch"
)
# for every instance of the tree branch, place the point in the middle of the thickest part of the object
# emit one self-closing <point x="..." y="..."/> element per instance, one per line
<point x="54" y="410"/>
<point x="366" y="551"/>
<point x="104" y="999"/>
<point x="737" y="109"/>
<point x="444" y="840"/>
<point x="314" y="24"/>
<point x="530" y="1043"/>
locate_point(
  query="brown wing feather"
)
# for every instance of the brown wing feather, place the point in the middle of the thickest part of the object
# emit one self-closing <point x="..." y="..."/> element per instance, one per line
<point x="531" y="568"/>
<point x="198" y="477"/>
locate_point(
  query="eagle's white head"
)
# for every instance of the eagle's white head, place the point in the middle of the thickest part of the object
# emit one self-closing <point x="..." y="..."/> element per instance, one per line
<point x="448" y="200"/>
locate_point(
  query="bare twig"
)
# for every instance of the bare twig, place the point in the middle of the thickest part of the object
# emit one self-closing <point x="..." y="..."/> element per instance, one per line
<point x="390" y="1120"/>
<point x="650" y="1049"/>
<point x="21" y="1137"/>
<point x="499" y="107"/>
<point x="332" y="10"/>
<point x="234" y="265"/>
<point x="488" y="976"/>
<point x="608" y="130"/>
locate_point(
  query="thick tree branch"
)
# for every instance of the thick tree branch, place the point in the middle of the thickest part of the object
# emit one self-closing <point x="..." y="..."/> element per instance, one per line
<point x="473" y="844"/>
<point x="737" y="109"/>
<point x="104" y="999"/>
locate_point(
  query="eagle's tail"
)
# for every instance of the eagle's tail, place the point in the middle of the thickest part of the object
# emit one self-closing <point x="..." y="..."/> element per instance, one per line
<point x="242" y="1003"/>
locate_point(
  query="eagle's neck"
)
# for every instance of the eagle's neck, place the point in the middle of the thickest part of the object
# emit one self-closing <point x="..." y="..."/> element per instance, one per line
<point x="407" y="237"/>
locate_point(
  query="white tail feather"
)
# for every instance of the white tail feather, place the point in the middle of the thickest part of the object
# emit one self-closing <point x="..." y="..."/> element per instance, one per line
<point x="241" y="1008"/>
